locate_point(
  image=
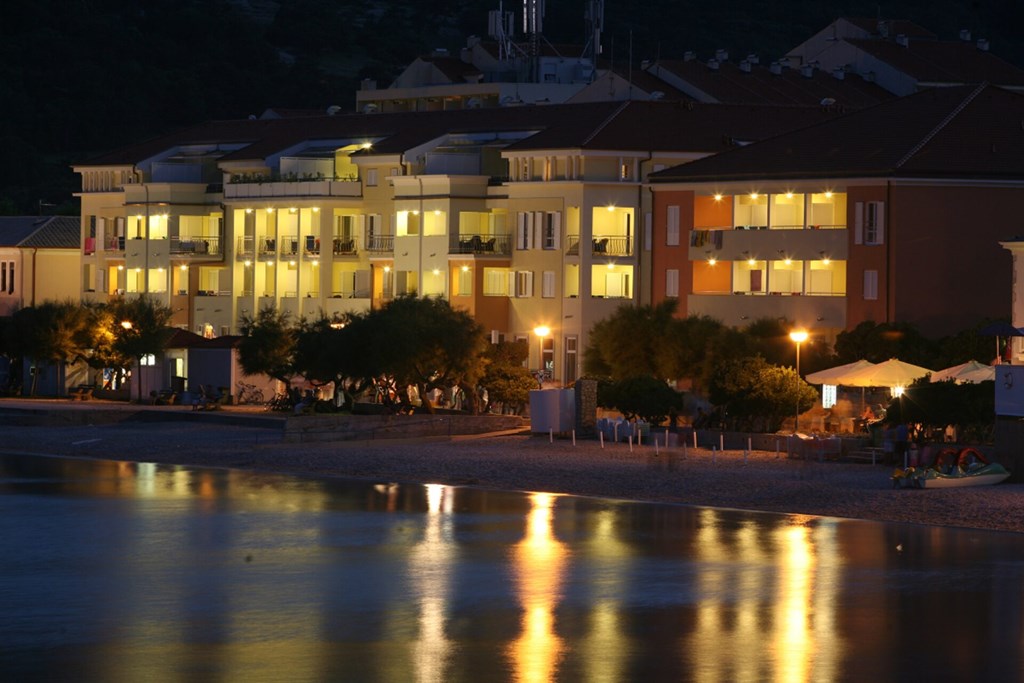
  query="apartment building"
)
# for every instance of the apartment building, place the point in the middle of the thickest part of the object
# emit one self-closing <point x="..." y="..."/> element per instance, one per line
<point x="527" y="217"/>
<point x="889" y="214"/>
<point x="39" y="260"/>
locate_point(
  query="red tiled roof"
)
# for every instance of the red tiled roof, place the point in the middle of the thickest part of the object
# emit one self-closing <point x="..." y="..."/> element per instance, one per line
<point x="963" y="132"/>
<point x="730" y="84"/>
<point x="931" y="61"/>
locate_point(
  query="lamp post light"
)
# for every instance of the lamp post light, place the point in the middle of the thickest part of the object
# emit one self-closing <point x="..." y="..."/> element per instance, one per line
<point x="542" y="331"/>
<point x="798" y="336"/>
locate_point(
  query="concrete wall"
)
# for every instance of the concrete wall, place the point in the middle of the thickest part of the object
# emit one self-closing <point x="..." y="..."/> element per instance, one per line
<point x="320" y="428"/>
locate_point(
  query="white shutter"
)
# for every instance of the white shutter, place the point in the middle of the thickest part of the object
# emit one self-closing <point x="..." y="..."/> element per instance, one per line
<point x="547" y="287"/>
<point x="672" y="283"/>
<point x="870" y="285"/>
<point x="858" y="223"/>
<point x="362" y="284"/>
<point x="537" y="230"/>
<point x="521" y="230"/>
<point x="672" y="227"/>
<point x="647" y="231"/>
<point x="880" y="222"/>
<point x="556" y="227"/>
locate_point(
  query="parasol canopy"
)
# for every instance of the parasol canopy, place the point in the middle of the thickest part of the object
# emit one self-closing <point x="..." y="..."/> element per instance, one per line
<point x="837" y="374"/>
<point x="892" y="373"/>
<point x="971" y="372"/>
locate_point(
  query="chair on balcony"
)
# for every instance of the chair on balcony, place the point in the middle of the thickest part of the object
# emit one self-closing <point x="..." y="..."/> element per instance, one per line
<point x="601" y="246"/>
<point x="488" y="245"/>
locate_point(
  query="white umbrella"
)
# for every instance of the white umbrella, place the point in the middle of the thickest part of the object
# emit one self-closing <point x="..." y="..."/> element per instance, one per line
<point x="837" y="374"/>
<point x="971" y="372"/>
<point x="891" y="373"/>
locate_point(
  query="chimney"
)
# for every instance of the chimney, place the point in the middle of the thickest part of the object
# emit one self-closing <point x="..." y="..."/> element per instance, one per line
<point x="965" y="35"/>
<point x="645" y="65"/>
<point x="901" y="39"/>
<point x="983" y="44"/>
<point x="883" y="29"/>
<point x="839" y="73"/>
<point x="807" y="71"/>
<point x="368" y="84"/>
<point x="753" y="59"/>
<point x="775" y="68"/>
<point x="745" y="66"/>
<point x="722" y="55"/>
<point x="713" y="64"/>
<point x="689" y="56"/>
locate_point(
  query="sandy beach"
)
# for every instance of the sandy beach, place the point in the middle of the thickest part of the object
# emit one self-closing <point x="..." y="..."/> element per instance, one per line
<point x="729" y="479"/>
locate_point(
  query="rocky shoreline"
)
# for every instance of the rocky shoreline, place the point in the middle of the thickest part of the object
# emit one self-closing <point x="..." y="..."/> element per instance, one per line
<point x="758" y="480"/>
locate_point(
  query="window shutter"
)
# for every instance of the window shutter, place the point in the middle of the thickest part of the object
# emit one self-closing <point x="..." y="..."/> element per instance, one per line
<point x="858" y="223"/>
<point x="672" y="228"/>
<point x="529" y="283"/>
<point x="870" y="285"/>
<point x="647" y="231"/>
<point x="880" y="222"/>
<point x="521" y="229"/>
<point x="548" y="285"/>
<point x="672" y="283"/>
<point x="556" y="228"/>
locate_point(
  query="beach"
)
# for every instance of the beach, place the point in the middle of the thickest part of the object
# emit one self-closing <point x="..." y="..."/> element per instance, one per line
<point x="758" y="480"/>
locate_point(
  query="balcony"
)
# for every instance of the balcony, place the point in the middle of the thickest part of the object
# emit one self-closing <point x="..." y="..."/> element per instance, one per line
<point x="114" y="243"/>
<point x="344" y="247"/>
<point x="245" y="248"/>
<point x="289" y="246"/>
<point x="197" y="247"/>
<point x="481" y="244"/>
<point x="612" y="245"/>
<point x="311" y="247"/>
<point x="266" y="247"/>
<point x="380" y="244"/>
<point x="734" y="244"/>
<point x="294" y="187"/>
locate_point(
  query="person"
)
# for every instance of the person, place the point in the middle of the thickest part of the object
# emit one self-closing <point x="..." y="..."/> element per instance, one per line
<point x="901" y="440"/>
<point x="868" y="414"/>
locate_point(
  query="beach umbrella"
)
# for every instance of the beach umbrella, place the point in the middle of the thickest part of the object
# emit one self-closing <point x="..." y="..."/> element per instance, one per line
<point x="891" y="373"/>
<point x="971" y="372"/>
<point x="835" y="375"/>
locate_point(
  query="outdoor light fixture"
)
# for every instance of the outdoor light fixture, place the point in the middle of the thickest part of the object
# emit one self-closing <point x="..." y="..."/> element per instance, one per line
<point x="789" y="195"/>
<point x="437" y="212"/>
<point x="754" y="195"/>
<point x="387" y="269"/>
<point x="292" y="210"/>
<point x="291" y="263"/>
<point x="712" y="260"/>
<point x="718" y="196"/>
<point x="828" y="194"/>
<point x="270" y="209"/>
<point x="120" y="267"/>
<point x="315" y="263"/>
<point x="799" y="337"/>
<point x="611" y="207"/>
<point x="542" y="331"/>
<point x="126" y="324"/>
<point x="245" y="263"/>
<point x="436" y="271"/>
<point x="465" y="269"/>
<point x="249" y="210"/>
<point x="316" y="209"/>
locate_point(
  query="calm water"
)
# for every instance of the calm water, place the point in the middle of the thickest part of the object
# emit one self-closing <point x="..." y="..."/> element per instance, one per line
<point x="135" y="572"/>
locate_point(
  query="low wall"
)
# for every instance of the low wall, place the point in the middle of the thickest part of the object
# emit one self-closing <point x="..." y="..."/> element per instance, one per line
<point x="321" y="428"/>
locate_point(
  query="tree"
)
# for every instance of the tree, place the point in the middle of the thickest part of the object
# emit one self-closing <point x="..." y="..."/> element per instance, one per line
<point x="330" y="351"/>
<point x="646" y="398"/>
<point x="634" y="341"/>
<point x="139" y="328"/>
<point x="268" y="344"/>
<point x="52" y="333"/>
<point x="971" y="407"/>
<point x="880" y="342"/>
<point x="507" y="381"/>
<point x="424" y="342"/>
<point x="752" y="391"/>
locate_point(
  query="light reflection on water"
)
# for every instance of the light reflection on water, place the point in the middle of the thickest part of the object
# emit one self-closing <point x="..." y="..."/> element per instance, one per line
<point x="124" y="572"/>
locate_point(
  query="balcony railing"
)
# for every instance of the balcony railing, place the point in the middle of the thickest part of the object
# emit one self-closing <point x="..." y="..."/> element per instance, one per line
<point x="311" y="246"/>
<point x="289" y="245"/>
<point x="266" y="247"/>
<point x="612" y="245"/>
<point x="380" y="244"/>
<point x="480" y="244"/>
<point x="344" y="247"/>
<point x="113" y="243"/>
<point x="195" y="246"/>
<point x="245" y="248"/>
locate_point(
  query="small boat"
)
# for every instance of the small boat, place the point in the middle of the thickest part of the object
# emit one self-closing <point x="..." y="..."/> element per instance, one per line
<point x="952" y="468"/>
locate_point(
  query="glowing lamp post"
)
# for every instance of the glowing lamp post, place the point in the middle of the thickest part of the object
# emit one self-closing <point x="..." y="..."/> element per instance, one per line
<point x="798" y="336"/>
<point x="542" y="331"/>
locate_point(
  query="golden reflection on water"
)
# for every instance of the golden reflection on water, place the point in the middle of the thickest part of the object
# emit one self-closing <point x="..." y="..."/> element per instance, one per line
<point x="431" y="567"/>
<point x="538" y="562"/>
<point x="604" y="647"/>
<point x="792" y="573"/>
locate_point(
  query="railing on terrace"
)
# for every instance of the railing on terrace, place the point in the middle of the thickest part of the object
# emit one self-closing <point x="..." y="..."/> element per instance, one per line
<point x="612" y="245"/>
<point x="480" y="244"/>
<point x="266" y="246"/>
<point x="344" y="247"/>
<point x="113" y="243"/>
<point x="195" y="246"/>
<point x="572" y="245"/>
<point x="245" y="248"/>
<point x="260" y="178"/>
<point x="379" y="244"/>
<point x="350" y="294"/>
<point x="289" y="245"/>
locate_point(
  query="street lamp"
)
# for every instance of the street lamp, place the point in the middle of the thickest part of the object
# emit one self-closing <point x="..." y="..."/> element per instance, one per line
<point x="798" y="336"/>
<point x="542" y="331"/>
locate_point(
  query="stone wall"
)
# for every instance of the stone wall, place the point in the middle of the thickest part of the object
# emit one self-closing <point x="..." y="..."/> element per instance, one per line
<point x="321" y="428"/>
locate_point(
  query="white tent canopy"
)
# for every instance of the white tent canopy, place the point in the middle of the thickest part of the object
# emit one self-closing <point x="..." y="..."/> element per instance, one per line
<point x="837" y="374"/>
<point x="892" y="373"/>
<point x="971" y="372"/>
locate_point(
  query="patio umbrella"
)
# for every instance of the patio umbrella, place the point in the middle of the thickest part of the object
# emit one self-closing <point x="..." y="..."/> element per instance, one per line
<point x="835" y="375"/>
<point x="891" y="373"/>
<point x="971" y="372"/>
<point x="1000" y="329"/>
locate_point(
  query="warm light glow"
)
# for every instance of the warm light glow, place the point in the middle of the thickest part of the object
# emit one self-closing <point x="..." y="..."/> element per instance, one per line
<point x="291" y="263"/>
<point x="292" y="210"/>
<point x="826" y="260"/>
<point x="828" y="194"/>
<point x="789" y="195"/>
<point x="387" y="269"/>
<point x="183" y="266"/>
<point x="436" y="271"/>
<point x="316" y="209"/>
<point x="718" y="197"/>
<point x="542" y="330"/>
<point x="437" y="212"/>
<point x="787" y="261"/>
<point x="799" y="336"/>
<point x="138" y="270"/>
<point x="126" y="324"/>
<point x="120" y="267"/>
<point x="898" y="391"/>
<point x="270" y="209"/>
<point x="754" y="195"/>
<point x="465" y="269"/>
<point x="246" y="263"/>
<point x="315" y="263"/>
<point x="611" y="266"/>
<point x="611" y="207"/>
<point x="712" y="260"/>
<point x="367" y="145"/>
<point x="415" y="212"/>
<point x="751" y="261"/>
<point x="249" y="210"/>
<point x="160" y="269"/>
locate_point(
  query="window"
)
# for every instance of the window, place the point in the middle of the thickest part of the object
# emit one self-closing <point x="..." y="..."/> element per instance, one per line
<point x="550" y="228"/>
<point x="547" y="356"/>
<point x="524" y="231"/>
<point x="672" y="283"/>
<point x="464" y="285"/>
<point x="371" y="177"/>
<point x="547" y="285"/>
<point x="495" y="282"/>
<point x="625" y="170"/>
<point x="148" y="359"/>
<point x="870" y="285"/>
<point x="672" y="228"/>
<point x="524" y="284"/>
<point x="570" y="359"/>
<point x="869" y="223"/>
<point x="10" y="277"/>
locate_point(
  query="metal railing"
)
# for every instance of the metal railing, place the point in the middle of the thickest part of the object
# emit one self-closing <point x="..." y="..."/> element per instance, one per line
<point x="379" y="244"/>
<point x="480" y="244"/>
<point x="612" y="245"/>
<point x="195" y="246"/>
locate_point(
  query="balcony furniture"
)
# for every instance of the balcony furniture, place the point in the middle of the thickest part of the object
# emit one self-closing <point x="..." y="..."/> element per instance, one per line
<point x="600" y="246"/>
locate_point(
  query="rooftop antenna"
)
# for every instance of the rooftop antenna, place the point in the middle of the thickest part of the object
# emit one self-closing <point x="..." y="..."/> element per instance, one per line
<point x="501" y="27"/>
<point x="594" y="18"/>
<point x="533" y="26"/>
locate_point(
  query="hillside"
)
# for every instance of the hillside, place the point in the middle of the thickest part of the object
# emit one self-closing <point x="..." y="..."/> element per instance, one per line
<point x="84" y="76"/>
